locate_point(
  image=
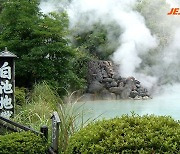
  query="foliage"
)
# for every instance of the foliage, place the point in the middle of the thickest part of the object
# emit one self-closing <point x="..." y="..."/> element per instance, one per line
<point x="23" y="142"/>
<point x="80" y="65"/>
<point x="50" y="59"/>
<point x="128" y="134"/>
<point x="1" y="3"/>
<point x="41" y="103"/>
<point x="4" y="130"/>
<point x="20" y="95"/>
<point x="41" y="44"/>
<point x="96" y="40"/>
<point x="18" y="20"/>
<point x="72" y="120"/>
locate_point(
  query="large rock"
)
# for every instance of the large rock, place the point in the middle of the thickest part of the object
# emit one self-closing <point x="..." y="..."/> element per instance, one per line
<point x="114" y="84"/>
<point x="116" y="90"/>
<point x="133" y="94"/>
<point x="95" y="87"/>
<point x="105" y="82"/>
<point x="126" y="93"/>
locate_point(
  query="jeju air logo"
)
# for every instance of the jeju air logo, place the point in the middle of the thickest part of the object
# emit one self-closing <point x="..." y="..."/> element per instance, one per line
<point x="174" y="11"/>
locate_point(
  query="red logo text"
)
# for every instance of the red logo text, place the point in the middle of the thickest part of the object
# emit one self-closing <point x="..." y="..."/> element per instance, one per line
<point x="174" y="11"/>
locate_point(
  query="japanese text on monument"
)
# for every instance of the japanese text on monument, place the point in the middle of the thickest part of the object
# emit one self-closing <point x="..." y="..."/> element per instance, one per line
<point x="6" y="90"/>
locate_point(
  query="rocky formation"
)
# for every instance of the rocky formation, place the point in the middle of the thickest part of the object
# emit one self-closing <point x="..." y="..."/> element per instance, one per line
<point x="105" y="83"/>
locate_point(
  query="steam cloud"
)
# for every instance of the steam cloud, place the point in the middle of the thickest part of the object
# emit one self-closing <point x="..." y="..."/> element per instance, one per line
<point x="136" y="41"/>
<point x="173" y="3"/>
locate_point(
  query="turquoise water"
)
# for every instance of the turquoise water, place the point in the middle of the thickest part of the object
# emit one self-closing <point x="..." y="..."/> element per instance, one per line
<point x="167" y="104"/>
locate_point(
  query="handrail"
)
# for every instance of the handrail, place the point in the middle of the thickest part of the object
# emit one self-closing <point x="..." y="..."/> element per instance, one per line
<point x="2" y="124"/>
<point x="18" y="125"/>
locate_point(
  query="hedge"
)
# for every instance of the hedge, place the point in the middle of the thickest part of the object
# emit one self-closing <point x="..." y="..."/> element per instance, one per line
<point x="22" y="143"/>
<point x="127" y="135"/>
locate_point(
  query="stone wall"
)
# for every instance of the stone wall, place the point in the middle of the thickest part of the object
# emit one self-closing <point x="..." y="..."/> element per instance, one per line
<point x="105" y="83"/>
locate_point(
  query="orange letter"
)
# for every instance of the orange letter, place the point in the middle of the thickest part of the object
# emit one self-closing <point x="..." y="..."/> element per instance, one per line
<point x="172" y="10"/>
<point x="175" y="11"/>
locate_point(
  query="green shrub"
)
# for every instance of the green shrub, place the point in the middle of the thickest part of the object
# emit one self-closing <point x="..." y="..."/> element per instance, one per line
<point x="4" y="131"/>
<point x="128" y="134"/>
<point x="22" y="143"/>
<point x="20" y="96"/>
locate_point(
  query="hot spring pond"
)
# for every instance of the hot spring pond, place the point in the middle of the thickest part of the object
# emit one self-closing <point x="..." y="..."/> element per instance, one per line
<point x="165" y="104"/>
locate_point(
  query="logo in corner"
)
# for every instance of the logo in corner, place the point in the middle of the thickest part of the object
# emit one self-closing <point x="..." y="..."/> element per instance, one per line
<point x="174" y="11"/>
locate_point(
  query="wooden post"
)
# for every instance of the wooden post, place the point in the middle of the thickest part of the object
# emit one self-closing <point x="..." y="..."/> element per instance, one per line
<point x="55" y="131"/>
<point x="44" y="130"/>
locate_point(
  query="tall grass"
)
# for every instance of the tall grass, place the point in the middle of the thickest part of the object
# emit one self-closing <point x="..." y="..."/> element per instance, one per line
<point x="69" y="114"/>
<point x="40" y="105"/>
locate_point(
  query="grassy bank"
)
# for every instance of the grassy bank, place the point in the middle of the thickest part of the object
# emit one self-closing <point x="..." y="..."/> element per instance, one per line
<point x="39" y="106"/>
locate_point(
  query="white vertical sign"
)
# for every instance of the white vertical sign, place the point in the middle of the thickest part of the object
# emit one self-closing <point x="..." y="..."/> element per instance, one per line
<point x="6" y="90"/>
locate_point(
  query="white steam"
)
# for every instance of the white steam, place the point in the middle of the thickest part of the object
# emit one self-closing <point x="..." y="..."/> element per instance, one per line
<point x="173" y="3"/>
<point x="173" y="50"/>
<point x="48" y="7"/>
<point x="136" y="41"/>
<point x="136" y="37"/>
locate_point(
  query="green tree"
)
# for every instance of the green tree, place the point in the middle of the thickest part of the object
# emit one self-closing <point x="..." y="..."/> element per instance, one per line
<point x="96" y="40"/>
<point x="18" y="20"/>
<point x="40" y="41"/>
<point x="1" y="3"/>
